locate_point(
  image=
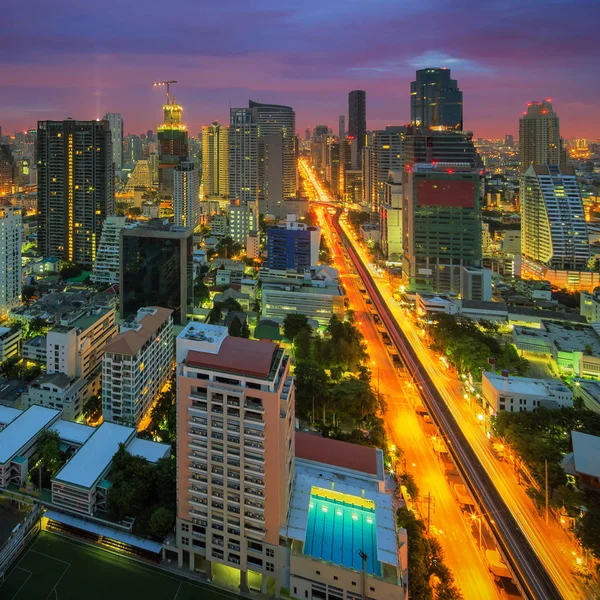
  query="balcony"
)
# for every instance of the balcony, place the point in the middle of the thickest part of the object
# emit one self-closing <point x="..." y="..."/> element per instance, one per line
<point x="198" y="408"/>
<point x="254" y="405"/>
<point x="254" y="492"/>
<point x="203" y="396"/>
<point x="256" y="446"/>
<point x="256" y="433"/>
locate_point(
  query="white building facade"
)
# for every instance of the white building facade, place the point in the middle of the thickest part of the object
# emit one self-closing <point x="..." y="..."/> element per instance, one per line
<point x="106" y="266"/>
<point x="186" y="195"/>
<point x="10" y="258"/>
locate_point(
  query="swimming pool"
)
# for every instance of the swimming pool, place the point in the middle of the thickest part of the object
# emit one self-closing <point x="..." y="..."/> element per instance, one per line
<point x="338" y="527"/>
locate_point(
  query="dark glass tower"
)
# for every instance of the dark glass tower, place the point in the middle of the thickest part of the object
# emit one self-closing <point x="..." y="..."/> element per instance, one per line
<point x="357" y="118"/>
<point x="435" y="100"/>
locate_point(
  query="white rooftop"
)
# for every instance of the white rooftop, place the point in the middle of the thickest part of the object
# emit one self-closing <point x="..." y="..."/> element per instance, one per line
<point x="586" y="453"/>
<point x="309" y="474"/>
<point x="8" y="414"/>
<point x="90" y="462"/>
<point x="69" y="431"/>
<point x="24" y="427"/>
<point x="526" y="385"/>
<point x="151" y="451"/>
<point x="207" y="338"/>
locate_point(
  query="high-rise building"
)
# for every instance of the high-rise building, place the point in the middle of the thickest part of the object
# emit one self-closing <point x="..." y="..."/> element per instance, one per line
<point x="275" y="119"/>
<point x="270" y="167"/>
<point x="321" y="131"/>
<point x="243" y="219"/>
<point x="387" y="147"/>
<point x="107" y="265"/>
<point x="553" y="228"/>
<point x="172" y="144"/>
<point x="243" y="156"/>
<point x="357" y="118"/>
<point x="136" y="365"/>
<point x="235" y="452"/>
<point x="441" y="225"/>
<point x="435" y="100"/>
<point x="367" y="173"/>
<point x="307" y="134"/>
<point x="156" y="268"/>
<point x="294" y="246"/>
<point x="134" y="150"/>
<point x="430" y="147"/>
<point x="342" y="127"/>
<point x="8" y="170"/>
<point x="11" y="229"/>
<point x="186" y="195"/>
<point x="215" y="160"/>
<point x="75" y="188"/>
<point x="115" y="121"/>
<point x="539" y="136"/>
<point x="390" y="217"/>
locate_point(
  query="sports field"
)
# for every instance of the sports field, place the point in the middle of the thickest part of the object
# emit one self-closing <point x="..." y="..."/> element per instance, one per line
<point x="55" y="568"/>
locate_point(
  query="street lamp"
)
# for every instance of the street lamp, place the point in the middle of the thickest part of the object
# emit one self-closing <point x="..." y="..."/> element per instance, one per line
<point x="475" y="517"/>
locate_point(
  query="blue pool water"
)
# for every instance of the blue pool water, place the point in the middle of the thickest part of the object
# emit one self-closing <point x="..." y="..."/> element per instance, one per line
<point x="337" y="531"/>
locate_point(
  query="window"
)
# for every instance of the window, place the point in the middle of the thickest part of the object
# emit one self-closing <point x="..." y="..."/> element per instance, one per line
<point x="270" y="552"/>
<point x="335" y="577"/>
<point x="295" y="590"/>
<point x="354" y="583"/>
<point x="318" y="572"/>
<point x="372" y="589"/>
<point x="185" y="541"/>
<point x="185" y="527"/>
<point x="270" y="567"/>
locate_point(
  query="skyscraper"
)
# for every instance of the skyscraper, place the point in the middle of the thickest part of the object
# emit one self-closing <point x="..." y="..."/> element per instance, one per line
<point x="275" y="119"/>
<point x="387" y="155"/>
<point x="432" y="146"/>
<point x="75" y="188"/>
<point x="215" y="160"/>
<point x="8" y="170"/>
<point x="134" y="150"/>
<point x="235" y="452"/>
<point x="435" y="100"/>
<point x="539" y="136"/>
<point x="342" y="127"/>
<point x="441" y="225"/>
<point x="243" y="156"/>
<point x="357" y="118"/>
<point x="172" y="142"/>
<point x="554" y="233"/>
<point x="186" y="195"/>
<point x="107" y="265"/>
<point x="115" y="121"/>
<point x="10" y="257"/>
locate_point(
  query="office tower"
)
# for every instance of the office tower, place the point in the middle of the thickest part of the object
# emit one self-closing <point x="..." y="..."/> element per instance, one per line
<point x="107" y="265"/>
<point x="390" y="217"/>
<point x="270" y="181"/>
<point x="153" y="162"/>
<point x="428" y="147"/>
<point x="115" y="122"/>
<point x="8" y="170"/>
<point x="243" y="156"/>
<point x="293" y="246"/>
<point x="186" y="195"/>
<point x="307" y="134"/>
<point x="133" y="148"/>
<point x="553" y="228"/>
<point x="172" y="144"/>
<point x="441" y="225"/>
<point x="539" y="136"/>
<point x="140" y="178"/>
<point x="387" y="155"/>
<point x="367" y="172"/>
<point x="321" y="131"/>
<point x="509" y="140"/>
<point x="435" y="100"/>
<point x="243" y="219"/>
<point x="342" y="127"/>
<point x="156" y="268"/>
<point x="136" y="365"/>
<point x="235" y="452"/>
<point x="75" y="188"/>
<point x="357" y="118"/>
<point x="215" y="160"/>
<point x="275" y="119"/>
<point x="334" y="167"/>
<point x="11" y="229"/>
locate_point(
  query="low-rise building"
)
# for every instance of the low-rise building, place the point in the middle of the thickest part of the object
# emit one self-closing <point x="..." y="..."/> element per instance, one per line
<point x="57" y="391"/>
<point x="584" y="462"/>
<point x="239" y="297"/>
<point x="136" y="365"/>
<point x="370" y="233"/>
<point x="35" y="348"/>
<point x="589" y="306"/>
<point x="10" y="340"/>
<point x="523" y="394"/>
<point x="475" y="283"/>
<point x="589" y="392"/>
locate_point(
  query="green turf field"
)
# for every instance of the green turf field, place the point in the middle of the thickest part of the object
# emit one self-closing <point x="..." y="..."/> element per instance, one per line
<point x="56" y="568"/>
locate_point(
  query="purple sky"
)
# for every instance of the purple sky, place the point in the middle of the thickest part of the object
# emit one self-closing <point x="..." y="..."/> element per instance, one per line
<point x="66" y="59"/>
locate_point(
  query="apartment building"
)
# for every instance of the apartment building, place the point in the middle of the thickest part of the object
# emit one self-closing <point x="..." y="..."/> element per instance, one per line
<point x="235" y="453"/>
<point x="136" y="365"/>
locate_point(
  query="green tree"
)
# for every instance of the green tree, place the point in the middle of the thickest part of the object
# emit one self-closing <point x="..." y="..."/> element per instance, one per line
<point x="245" y="329"/>
<point x="27" y="294"/>
<point x="161" y="521"/>
<point x="49" y="450"/>
<point x="69" y="270"/>
<point x="201" y="293"/>
<point x="235" y="328"/>
<point x="312" y="389"/>
<point x="293" y="324"/>
<point x="303" y="344"/>
<point x="215" y="314"/>
<point x="227" y="248"/>
<point x="92" y="409"/>
<point x="408" y="481"/>
<point x="231" y="304"/>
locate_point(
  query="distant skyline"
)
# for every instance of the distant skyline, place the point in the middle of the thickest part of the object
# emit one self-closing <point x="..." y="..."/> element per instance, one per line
<point x="61" y="59"/>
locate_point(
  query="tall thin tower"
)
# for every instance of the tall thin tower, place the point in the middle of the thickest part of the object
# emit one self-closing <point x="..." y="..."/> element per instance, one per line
<point x="539" y="136"/>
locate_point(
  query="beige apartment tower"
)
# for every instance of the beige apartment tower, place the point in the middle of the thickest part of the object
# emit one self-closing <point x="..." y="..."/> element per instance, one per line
<point x="215" y="160"/>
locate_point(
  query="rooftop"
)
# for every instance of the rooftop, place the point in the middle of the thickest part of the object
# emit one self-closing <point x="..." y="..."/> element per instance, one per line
<point x="91" y="461"/>
<point x="131" y="341"/>
<point x="237" y="355"/>
<point x="310" y="446"/>
<point x="208" y="338"/>
<point x="586" y="453"/>
<point x="151" y="451"/>
<point x="71" y="432"/>
<point x="526" y="385"/>
<point x="21" y="430"/>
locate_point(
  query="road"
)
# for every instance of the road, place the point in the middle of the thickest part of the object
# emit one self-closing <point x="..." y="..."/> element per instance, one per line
<point x="529" y="545"/>
<point x="447" y="519"/>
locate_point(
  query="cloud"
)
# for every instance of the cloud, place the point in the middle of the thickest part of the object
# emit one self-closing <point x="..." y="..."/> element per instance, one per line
<point x="434" y="58"/>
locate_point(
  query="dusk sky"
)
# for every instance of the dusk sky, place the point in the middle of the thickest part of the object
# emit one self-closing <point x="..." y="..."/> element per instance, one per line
<point x="80" y="59"/>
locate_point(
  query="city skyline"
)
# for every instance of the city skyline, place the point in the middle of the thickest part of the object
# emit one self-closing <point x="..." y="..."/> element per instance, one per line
<point x="290" y="59"/>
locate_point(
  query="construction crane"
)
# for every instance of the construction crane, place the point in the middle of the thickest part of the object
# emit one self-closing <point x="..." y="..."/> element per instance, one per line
<point x="165" y="83"/>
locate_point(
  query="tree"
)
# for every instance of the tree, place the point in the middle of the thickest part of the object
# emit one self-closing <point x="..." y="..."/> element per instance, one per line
<point x="245" y="329"/>
<point x="161" y="521"/>
<point x="215" y="314"/>
<point x="28" y="293"/>
<point x="201" y="293"/>
<point x="134" y="211"/>
<point x="38" y="326"/>
<point x="227" y="248"/>
<point x="303" y="344"/>
<point x="69" y="270"/>
<point x="92" y="409"/>
<point x="235" y="328"/>
<point x="408" y="481"/>
<point x="293" y="324"/>
<point x="311" y="388"/>
<point x="231" y="304"/>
